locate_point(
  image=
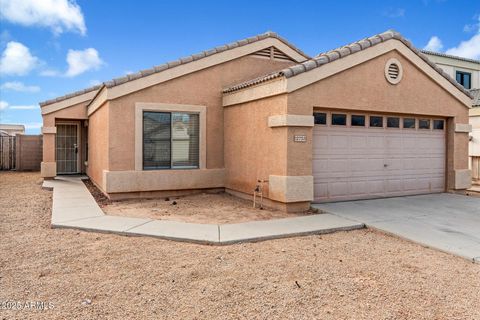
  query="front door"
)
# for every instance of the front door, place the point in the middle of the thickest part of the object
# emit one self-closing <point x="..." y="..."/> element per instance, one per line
<point x="67" y="154"/>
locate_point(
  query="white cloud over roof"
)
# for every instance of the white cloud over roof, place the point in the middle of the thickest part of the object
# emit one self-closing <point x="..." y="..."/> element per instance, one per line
<point x="80" y="61"/>
<point x="58" y="15"/>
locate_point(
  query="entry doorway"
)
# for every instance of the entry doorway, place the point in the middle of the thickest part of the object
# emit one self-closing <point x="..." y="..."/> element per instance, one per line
<point x="67" y="148"/>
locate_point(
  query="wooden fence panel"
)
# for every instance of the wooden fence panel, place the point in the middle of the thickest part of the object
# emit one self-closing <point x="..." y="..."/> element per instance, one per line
<point x="8" y="152"/>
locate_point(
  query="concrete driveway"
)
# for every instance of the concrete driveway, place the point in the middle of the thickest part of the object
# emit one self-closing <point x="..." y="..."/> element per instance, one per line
<point x="447" y="222"/>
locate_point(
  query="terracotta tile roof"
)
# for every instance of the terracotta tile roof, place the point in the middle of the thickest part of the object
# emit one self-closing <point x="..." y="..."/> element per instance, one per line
<point x="168" y="65"/>
<point x="449" y="56"/>
<point x="476" y="97"/>
<point x="339" y="53"/>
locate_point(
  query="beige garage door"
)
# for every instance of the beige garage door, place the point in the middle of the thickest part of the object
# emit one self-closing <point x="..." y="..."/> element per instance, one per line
<point x="359" y="156"/>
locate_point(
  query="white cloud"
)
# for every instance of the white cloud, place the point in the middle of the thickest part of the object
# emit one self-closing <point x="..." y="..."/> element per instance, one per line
<point x="3" y="105"/>
<point x="17" y="59"/>
<point x="434" y="44"/>
<point x="58" y="15"/>
<point x="469" y="48"/>
<point x="19" y="86"/>
<point x="80" y="61"/>
<point x="24" y="107"/>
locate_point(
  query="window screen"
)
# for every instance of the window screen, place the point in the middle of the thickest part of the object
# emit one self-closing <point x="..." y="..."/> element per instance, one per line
<point x="170" y="140"/>
<point x="185" y="140"/>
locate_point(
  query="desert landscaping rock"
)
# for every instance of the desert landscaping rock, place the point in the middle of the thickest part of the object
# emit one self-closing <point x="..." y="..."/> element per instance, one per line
<point x="359" y="274"/>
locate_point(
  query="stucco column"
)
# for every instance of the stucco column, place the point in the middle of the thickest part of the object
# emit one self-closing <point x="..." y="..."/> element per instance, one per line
<point x="459" y="176"/>
<point x="48" y="165"/>
<point x="297" y="185"/>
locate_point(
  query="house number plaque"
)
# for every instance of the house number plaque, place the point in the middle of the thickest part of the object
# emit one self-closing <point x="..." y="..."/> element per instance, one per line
<point x="300" y="138"/>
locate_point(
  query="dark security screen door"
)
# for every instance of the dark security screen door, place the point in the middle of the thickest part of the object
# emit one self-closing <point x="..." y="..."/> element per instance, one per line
<point x="67" y="148"/>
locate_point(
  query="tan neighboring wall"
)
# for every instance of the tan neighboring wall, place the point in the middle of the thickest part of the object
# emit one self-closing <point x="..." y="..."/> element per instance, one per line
<point x="365" y="88"/>
<point x="75" y="112"/>
<point x="202" y="88"/>
<point x="474" y="148"/>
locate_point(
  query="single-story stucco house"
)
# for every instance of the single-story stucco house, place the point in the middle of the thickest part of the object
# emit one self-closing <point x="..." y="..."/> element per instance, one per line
<point x="375" y="118"/>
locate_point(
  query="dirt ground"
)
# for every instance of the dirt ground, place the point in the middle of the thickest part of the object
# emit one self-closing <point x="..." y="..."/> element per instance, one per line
<point x="194" y="208"/>
<point x="347" y="275"/>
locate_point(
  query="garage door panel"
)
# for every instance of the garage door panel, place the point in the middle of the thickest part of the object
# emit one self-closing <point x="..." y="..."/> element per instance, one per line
<point x="338" y="142"/>
<point x="394" y="185"/>
<point x="361" y="163"/>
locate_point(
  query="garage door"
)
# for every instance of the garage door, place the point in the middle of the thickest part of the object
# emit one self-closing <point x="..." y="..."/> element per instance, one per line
<point x="359" y="156"/>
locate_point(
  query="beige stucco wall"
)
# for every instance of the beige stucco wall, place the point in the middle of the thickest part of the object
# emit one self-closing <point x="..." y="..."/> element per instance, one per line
<point x="253" y="150"/>
<point x="98" y="148"/>
<point x="199" y="88"/>
<point x="365" y="88"/>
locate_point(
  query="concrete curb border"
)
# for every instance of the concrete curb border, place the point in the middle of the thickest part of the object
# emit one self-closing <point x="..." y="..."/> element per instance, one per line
<point x="66" y="215"/>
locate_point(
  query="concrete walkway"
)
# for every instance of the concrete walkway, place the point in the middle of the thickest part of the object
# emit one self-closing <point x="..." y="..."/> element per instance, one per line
<point x="447" y="222"/>
<point x="74" y="207"/>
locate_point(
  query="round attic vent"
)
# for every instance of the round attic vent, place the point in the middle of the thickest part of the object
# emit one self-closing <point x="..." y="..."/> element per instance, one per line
<point x="393" y="71"/>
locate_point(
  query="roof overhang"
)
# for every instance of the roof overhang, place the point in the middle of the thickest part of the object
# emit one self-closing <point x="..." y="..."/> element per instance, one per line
<point x="283" y="84"/>
<point x="68" y="102"/>
<point x="474" y="112"/>
<point x="129" y="87"/>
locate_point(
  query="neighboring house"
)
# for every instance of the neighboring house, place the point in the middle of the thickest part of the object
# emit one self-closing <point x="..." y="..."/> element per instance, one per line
<point x="12" y="129"/>
<point x="474" y="149"/>
<point x="375" y="118"/>
<point x="467" y="73"/>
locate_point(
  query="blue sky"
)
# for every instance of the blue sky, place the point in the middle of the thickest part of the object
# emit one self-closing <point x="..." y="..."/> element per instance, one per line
<point x="53" y="47"/>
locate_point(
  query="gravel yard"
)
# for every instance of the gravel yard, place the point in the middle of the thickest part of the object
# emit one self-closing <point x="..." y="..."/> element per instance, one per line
<point x="193" y="208"/>
<point x="359" y="274"/>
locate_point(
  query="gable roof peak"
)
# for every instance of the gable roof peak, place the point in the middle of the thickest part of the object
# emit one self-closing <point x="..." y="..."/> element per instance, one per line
<point x="335" y="54"/>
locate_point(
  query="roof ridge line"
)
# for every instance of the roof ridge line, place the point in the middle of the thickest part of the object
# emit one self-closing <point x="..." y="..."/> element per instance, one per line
<point x="193" y="57"/>
<point x="339" y="53"/>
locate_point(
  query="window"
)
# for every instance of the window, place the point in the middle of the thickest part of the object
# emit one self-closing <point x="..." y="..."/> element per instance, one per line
<point x="376" y="121"/>
<point x="170" y="140"/>
<point x="424" y="124"/>
<point x="358" y="121"/>
<point x="393" y="122"/>
<point x="339" y="119"/>
<point x="465" y="79"/>
<point x="438" y="124"/>
<point x="409" y="123"/>
<point x="320" y="117"/>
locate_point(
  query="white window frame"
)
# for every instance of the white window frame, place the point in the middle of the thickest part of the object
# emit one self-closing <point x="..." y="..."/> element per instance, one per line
<point x="140" y="107"/>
